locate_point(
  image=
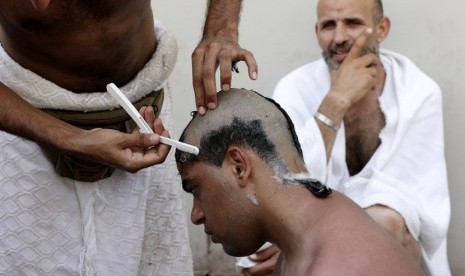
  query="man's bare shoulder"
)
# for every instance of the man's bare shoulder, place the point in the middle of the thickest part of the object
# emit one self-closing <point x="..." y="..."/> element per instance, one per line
<point x="362" y="263"/>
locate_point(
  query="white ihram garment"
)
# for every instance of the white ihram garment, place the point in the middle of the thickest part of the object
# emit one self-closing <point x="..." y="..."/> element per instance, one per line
<point x="127" y="224"/>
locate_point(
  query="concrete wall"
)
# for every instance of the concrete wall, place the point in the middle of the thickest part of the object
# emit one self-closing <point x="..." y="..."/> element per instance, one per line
<point x="281" y="35"/>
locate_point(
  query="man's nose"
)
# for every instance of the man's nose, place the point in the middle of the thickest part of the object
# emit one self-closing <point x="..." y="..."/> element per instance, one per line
<point x="197" y="215"/>
<point x="340" y="35"/>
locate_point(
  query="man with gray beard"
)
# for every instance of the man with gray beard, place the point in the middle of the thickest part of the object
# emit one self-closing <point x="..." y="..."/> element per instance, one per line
<point x="370" y="125"/>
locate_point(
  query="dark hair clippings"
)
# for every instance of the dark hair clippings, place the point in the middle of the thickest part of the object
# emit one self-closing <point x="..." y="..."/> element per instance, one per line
<point x="317" y="188"/>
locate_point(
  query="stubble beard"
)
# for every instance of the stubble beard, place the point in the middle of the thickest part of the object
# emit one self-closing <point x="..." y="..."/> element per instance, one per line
<point x="345" y="46"/>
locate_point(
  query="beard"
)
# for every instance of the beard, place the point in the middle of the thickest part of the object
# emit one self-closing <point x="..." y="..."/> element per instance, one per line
<point x="346" y="46"/>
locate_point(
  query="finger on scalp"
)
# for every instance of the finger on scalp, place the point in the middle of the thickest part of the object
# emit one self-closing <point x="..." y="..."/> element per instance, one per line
<point x="225" y="69"/>
<point x="198" y="57"/>
<point x="360" y="42"/>
<point x="208" y="75"/>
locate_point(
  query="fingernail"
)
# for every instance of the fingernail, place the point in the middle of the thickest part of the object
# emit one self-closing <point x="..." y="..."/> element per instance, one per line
<point x="153" y="138"/>
<point x="201" y="110"/>
<point x="254" y="75"/>
<point x="225" y="87"/>
<point x="253" y="257"/>
<point x="211" y="105"/>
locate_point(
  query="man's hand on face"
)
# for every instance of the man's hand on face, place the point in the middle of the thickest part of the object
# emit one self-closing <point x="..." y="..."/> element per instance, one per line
<point x="357" y="74"/>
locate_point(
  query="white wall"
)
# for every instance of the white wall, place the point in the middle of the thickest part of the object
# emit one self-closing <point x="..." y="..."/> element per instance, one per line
<point x="280" y="34"/>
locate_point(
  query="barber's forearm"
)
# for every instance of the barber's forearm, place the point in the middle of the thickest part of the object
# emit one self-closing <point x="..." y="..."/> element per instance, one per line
<point x="20" y="118"/>
<point x="222" y="17"/>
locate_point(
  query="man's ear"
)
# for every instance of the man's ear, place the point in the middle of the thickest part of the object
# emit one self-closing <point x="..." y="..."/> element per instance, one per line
<point x="384" y="26"/>
<point x="40" y="5"/>
<point x="240" y="164"/>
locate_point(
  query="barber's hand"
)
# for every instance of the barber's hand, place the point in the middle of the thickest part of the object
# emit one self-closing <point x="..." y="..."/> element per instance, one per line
<point x="266" y="262"/>
<point x="357" y="74"/>
<point x="129" y="152"/>
<point x="221" y="50"/>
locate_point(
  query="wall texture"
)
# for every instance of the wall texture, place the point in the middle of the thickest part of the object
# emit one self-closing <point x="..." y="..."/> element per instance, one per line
<point x="281" y="35"/>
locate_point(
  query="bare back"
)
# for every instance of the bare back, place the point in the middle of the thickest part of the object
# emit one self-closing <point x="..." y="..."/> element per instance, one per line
<point x="345" y="241"/>
<point x="80" y="45"/>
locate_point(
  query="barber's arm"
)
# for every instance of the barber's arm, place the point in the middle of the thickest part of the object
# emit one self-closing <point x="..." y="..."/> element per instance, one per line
<point x="121" y="150"/>
<point x="219" y="47"/>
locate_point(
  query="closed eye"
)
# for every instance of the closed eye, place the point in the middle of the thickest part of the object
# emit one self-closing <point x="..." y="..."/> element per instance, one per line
<point x="327" y="25"/>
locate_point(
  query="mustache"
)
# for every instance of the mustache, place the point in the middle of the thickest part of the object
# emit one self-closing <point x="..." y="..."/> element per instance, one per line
<point x="345" y="46"/>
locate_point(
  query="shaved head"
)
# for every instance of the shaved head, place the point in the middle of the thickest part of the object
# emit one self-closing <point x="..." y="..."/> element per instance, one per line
<point x="243" y="118"/>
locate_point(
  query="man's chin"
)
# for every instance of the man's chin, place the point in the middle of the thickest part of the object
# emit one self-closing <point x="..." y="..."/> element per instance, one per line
<point x="231" y="251"/>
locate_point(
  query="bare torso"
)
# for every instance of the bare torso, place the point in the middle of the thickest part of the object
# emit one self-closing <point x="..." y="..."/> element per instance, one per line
<point x="80" y="45"/>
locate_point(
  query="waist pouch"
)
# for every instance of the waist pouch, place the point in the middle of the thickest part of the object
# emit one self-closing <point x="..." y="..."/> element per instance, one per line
<point x="83" y="170"/>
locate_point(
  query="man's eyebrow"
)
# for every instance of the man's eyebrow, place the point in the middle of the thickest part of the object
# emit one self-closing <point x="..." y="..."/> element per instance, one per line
<point x="353" y="20"/>
<point x="325" y="21"/>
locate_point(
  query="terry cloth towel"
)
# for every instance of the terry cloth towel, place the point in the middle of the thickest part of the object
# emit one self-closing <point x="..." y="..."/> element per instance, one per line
<point x="128" y="224"/>
<point x="407" y="172"/>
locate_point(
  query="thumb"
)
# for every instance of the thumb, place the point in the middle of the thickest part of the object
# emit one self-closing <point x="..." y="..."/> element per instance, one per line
<point x="360" y="43"/>
<point x="141" y="140"/>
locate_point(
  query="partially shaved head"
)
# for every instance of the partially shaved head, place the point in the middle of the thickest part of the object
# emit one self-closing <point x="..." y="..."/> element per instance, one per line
<point x="247" y="119"/>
